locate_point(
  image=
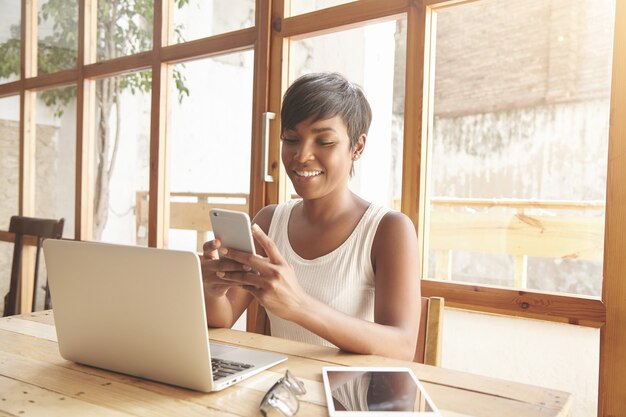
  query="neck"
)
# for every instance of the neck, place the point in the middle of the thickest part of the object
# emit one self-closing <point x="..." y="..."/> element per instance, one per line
<point x="330" y="207"/>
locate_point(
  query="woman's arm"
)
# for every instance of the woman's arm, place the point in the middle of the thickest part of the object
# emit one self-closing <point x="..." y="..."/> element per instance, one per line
<point x="396" y="312"/>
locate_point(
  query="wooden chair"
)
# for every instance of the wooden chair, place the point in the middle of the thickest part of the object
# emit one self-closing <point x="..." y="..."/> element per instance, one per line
<point x="40" y="229"/>
<point x="429" y="337"/>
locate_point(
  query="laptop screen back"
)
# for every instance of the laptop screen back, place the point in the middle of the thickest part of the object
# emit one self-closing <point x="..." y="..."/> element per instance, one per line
<point x="134" y="310"/>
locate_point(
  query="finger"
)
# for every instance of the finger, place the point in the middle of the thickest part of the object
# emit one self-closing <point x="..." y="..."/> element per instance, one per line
<point x="231" y="265"/>
<point x="223" y="265"/>
<point x="267" y="244"/>
<point x="242" y="257"/>
<point x="209" y="249"/>
<point x="242" y="278"/>
<point x="255" y="264"/>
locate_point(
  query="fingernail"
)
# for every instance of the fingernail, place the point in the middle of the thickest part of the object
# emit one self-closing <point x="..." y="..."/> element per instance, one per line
<point x="255" y="227"/>
<point x="223" y="251"/>
<point x="247" y="268"/>
<point x="220" y="274"/>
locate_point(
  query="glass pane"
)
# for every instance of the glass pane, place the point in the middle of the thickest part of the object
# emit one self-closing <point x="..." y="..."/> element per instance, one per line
<point x="306" y="6"/>
<point x="196" y="19"/>
<point x="124" y="27"/>
<point x="9" y="159"/>
<point x="57" y="35"/>
<point x="122" y="156"/>
<point x="55" y="156"/>
<point x="519" y="144"/>
<point x="10" y="40"/>
<point x="209" y="145"/>
<point x="374" y="58"/>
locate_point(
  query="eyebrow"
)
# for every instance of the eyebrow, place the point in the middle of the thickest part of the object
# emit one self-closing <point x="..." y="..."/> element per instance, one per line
<point x="323" y="129"/>
<point x="314" y="130"/>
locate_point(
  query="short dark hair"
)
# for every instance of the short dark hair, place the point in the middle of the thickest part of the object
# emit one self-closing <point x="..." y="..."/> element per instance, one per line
<point x="325" y="95"/>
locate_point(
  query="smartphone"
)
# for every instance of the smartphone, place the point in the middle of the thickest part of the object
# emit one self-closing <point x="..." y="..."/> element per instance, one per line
<point x="233" y="229"/>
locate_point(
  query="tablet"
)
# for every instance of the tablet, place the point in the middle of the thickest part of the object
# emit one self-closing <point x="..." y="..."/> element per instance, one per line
<point x="375" y="391"/>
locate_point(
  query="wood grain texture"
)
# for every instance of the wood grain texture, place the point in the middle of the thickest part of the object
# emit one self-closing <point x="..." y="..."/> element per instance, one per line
<point x="341" y="17"/>
<point x="53" y="80"/>
<point x="434" y="331"/>
<point x="546" y="306"/>
<point x="260" y="104"/>
<point x="12" y="88"/>
<point x="279" y="71"/>
<point x="35" y="379"/>
<point x="215" y="45"/>
<point x="612" y="401"/>
<point x="549" y="236"/>
<point x="10" y="237"/>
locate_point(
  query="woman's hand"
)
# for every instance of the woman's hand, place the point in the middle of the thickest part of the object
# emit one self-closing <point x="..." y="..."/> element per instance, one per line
<point x="214" y="270"/>
<point x="271" y="280"/>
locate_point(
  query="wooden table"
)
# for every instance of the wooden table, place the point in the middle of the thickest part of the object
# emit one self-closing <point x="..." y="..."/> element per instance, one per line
<point x="36" y="381"/>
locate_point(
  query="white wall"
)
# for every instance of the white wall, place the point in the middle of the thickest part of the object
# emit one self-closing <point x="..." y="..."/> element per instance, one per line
<point x="552" y="355"/>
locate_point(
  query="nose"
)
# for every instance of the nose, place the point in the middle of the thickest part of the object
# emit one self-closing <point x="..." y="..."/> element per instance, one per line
<point x="303" y="153"/>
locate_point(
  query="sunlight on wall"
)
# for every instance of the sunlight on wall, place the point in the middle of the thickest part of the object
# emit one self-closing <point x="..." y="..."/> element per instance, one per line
<point x="552" y="355"/>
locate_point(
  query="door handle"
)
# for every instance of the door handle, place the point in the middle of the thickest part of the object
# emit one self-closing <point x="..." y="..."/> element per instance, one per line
<point x="267" y="116"/>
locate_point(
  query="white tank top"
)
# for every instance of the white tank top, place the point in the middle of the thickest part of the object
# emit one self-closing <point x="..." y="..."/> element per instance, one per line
<point x="342" y="279"/>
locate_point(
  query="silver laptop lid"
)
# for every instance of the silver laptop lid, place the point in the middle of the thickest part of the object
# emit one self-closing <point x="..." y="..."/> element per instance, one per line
<point x="134" y="310"/>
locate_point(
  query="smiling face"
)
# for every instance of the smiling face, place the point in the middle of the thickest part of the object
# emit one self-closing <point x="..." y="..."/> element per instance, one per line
<point x="318" y="157"/>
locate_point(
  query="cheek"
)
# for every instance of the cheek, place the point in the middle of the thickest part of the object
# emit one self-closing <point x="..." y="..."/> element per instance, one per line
<point x="342" y="163"/>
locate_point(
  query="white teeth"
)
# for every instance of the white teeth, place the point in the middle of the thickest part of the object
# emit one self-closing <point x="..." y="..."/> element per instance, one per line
<point x="308" y="173"/>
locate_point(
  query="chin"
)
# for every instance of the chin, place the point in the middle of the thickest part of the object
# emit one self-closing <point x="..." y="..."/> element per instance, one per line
<point x="307" y="194"/>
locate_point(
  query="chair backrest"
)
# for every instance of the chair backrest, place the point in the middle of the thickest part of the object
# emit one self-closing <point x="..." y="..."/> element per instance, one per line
<point x="40" y="229"/>
<point x="429" y="337"/>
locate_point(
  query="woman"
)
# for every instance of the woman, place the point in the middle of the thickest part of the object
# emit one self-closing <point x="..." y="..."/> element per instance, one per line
<point x="332" y="268"/>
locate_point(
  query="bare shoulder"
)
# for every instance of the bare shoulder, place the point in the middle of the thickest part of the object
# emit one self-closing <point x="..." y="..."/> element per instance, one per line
<point x="264" y="217"/>
<point x="392" y="224"/>
<point x="396" y="234"/>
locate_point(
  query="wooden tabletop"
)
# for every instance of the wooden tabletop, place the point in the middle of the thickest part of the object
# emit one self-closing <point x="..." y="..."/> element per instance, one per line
<point x="36" y="381"/>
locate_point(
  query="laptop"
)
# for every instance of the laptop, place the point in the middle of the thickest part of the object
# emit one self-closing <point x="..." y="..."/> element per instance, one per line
<point x="140" y="311"/>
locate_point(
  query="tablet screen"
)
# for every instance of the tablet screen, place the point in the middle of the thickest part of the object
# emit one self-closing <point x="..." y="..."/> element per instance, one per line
<point x="375" y="391"/>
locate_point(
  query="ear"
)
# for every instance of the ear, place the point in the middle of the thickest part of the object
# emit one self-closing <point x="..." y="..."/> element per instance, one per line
<point x="359" y="147"/>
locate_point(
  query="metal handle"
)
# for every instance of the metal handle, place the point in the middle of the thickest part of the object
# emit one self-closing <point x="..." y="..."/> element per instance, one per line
<point x="267" y="116"/>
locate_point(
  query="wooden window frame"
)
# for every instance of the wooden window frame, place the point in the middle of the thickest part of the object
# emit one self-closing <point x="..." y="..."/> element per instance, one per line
<point x="269" y="39"/>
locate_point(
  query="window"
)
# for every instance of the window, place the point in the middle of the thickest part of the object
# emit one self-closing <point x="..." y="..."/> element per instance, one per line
<point x="121" y="155"/>
<point x="210" y="145"/>
<point x="124" y="27"/>
<point x="10" y="36"/>
<point x="57" y="35"/>
<point x="306" y="6"/>
<point x="518" y="145"/>
<point x="55" y="156"/>
<point x="200" y="18"/>
<point x="10" y="162"/>
<point x="372" y="57"/>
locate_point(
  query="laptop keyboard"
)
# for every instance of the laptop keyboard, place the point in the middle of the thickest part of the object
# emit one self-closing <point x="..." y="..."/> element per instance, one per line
<point x="222" y="368"/>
